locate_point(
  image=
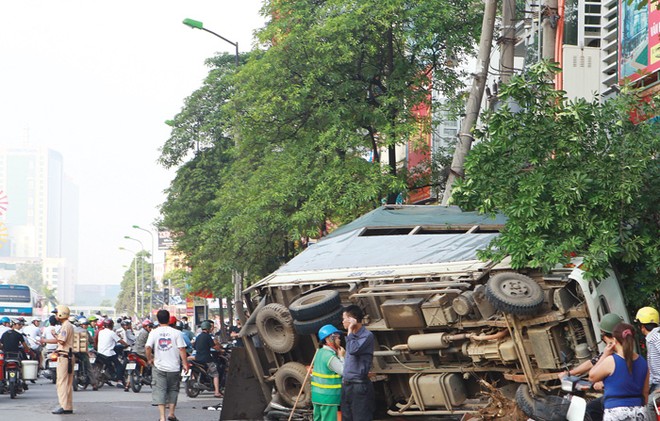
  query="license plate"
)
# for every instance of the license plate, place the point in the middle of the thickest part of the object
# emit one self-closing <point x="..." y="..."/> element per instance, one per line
<point x="92" y="359"/>
<point x="75" y="366"/>
<point x="130" y="366"/>
<point x="185" y="375"/>
<point x="52" y="364"/>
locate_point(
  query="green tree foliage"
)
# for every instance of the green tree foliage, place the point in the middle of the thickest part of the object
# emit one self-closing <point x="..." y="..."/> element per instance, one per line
<point x="105" y="303"/>
<point x="29" y="274"/>
<point x="178" y="278"/>
<point x="49" y="294"/>
<point x="330" y="83"/>
<point x="125" y="303"/>
<point x="573" y="177"/>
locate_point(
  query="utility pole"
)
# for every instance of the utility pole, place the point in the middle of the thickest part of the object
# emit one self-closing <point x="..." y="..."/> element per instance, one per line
<point x="549" y="24"/>
<point x="507" y="40"/>
<point x="474" y="100"/>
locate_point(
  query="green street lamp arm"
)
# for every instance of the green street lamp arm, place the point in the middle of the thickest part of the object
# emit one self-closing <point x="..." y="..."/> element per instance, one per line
<point x="195" y="24"/>
<point x="128" y="237"/>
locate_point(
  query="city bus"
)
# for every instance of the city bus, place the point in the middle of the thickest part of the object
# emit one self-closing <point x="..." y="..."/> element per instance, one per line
<point x="19" y="300"/>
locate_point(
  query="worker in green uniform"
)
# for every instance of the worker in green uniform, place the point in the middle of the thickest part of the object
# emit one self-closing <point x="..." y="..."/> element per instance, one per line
<point x="326" y="374"/>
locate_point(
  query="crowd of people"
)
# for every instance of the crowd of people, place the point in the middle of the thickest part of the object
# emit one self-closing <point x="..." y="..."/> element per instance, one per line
<point x="339" y="377"/>
<point x="629" y="382"/>
<point x="166" y="343"/>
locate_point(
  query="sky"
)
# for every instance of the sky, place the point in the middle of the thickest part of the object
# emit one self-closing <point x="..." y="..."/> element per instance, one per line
<point x="96" y="81"/>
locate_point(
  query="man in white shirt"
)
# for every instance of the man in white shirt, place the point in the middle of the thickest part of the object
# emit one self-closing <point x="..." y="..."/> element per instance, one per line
<point x="107" y="340"/>
<point x="50" y="333"/>
<point x="32" y="333"/>
<point x="166" y="352"/>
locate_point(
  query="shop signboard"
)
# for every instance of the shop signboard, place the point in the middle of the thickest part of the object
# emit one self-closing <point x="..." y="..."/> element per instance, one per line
<point x="639" y="39"/>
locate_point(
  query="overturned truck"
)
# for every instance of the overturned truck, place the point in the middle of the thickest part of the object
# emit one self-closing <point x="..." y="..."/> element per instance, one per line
<point x="447" y="325"/>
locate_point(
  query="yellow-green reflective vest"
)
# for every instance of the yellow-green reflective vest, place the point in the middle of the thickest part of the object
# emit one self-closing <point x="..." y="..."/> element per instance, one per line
<point x="326" y="384"/>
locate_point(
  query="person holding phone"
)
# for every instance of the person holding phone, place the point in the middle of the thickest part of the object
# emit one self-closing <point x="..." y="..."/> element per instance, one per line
<point x="357" y="391"/>
<point x="625" y="375"/>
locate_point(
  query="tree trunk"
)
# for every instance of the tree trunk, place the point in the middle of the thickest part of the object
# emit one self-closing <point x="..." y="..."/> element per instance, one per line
<point x="474" y="100"/>
<point x="221" y="313"/>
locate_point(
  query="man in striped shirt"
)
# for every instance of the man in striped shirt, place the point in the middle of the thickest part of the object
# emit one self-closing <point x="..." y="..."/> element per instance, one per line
<point x="648" y="318"/>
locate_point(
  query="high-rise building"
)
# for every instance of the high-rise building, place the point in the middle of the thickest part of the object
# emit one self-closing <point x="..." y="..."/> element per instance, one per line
<point x="42" y="215"/>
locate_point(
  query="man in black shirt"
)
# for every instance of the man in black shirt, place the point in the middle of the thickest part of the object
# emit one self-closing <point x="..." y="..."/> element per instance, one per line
<point x="234" y="331"/>
<point x="11" y="341"/>
<point x="203" y="345"/>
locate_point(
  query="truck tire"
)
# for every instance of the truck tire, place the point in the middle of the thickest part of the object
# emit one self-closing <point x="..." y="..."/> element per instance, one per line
<point x="544" y="408"/>
<point x="288" y="380"/>
<point x="314" y="305"/>
<point x="514" y="293"/>
<point x="311" y="327"/>
<point x="275" y="326"/>
<point x="525" y="400"/>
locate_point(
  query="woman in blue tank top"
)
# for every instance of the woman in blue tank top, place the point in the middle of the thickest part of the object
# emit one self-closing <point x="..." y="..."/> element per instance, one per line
<point x="625" y="376"/>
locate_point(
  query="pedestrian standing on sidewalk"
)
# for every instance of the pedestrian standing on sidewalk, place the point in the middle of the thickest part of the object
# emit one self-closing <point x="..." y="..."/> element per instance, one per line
<point x="357" y="391"/>
<point x="166" y="352"/>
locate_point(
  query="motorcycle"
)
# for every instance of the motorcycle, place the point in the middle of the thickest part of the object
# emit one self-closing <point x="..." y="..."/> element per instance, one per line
<point x="82" y="375"/>
<point x="50" y="367"/>
<point x="197" y="378"/>
<point x="12" y="375"/>
<point x="138" y="371"/>
<point x="102" y="370"/>
<point x="575" y="386"/>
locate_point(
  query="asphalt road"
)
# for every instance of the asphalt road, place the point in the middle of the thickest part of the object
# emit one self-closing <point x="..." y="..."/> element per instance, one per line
<point x="106" y="404"/>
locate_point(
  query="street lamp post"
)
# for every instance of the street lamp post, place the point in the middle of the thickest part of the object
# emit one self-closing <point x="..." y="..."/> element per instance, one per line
<point x="134" y="270"/>
<point x="128" y="237"/>
<point x="195" y="24"/>
<point x="237" y="277"/>
<point x="151" y="296"/>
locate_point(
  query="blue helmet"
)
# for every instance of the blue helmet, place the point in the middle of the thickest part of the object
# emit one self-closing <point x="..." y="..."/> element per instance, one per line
<point x="5" y="320"/>
<point x="326" y="331"/>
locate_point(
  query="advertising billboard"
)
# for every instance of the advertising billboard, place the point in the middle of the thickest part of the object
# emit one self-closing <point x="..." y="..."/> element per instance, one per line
<point x="164" y="240"/>
<point x="639" y="39"/>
